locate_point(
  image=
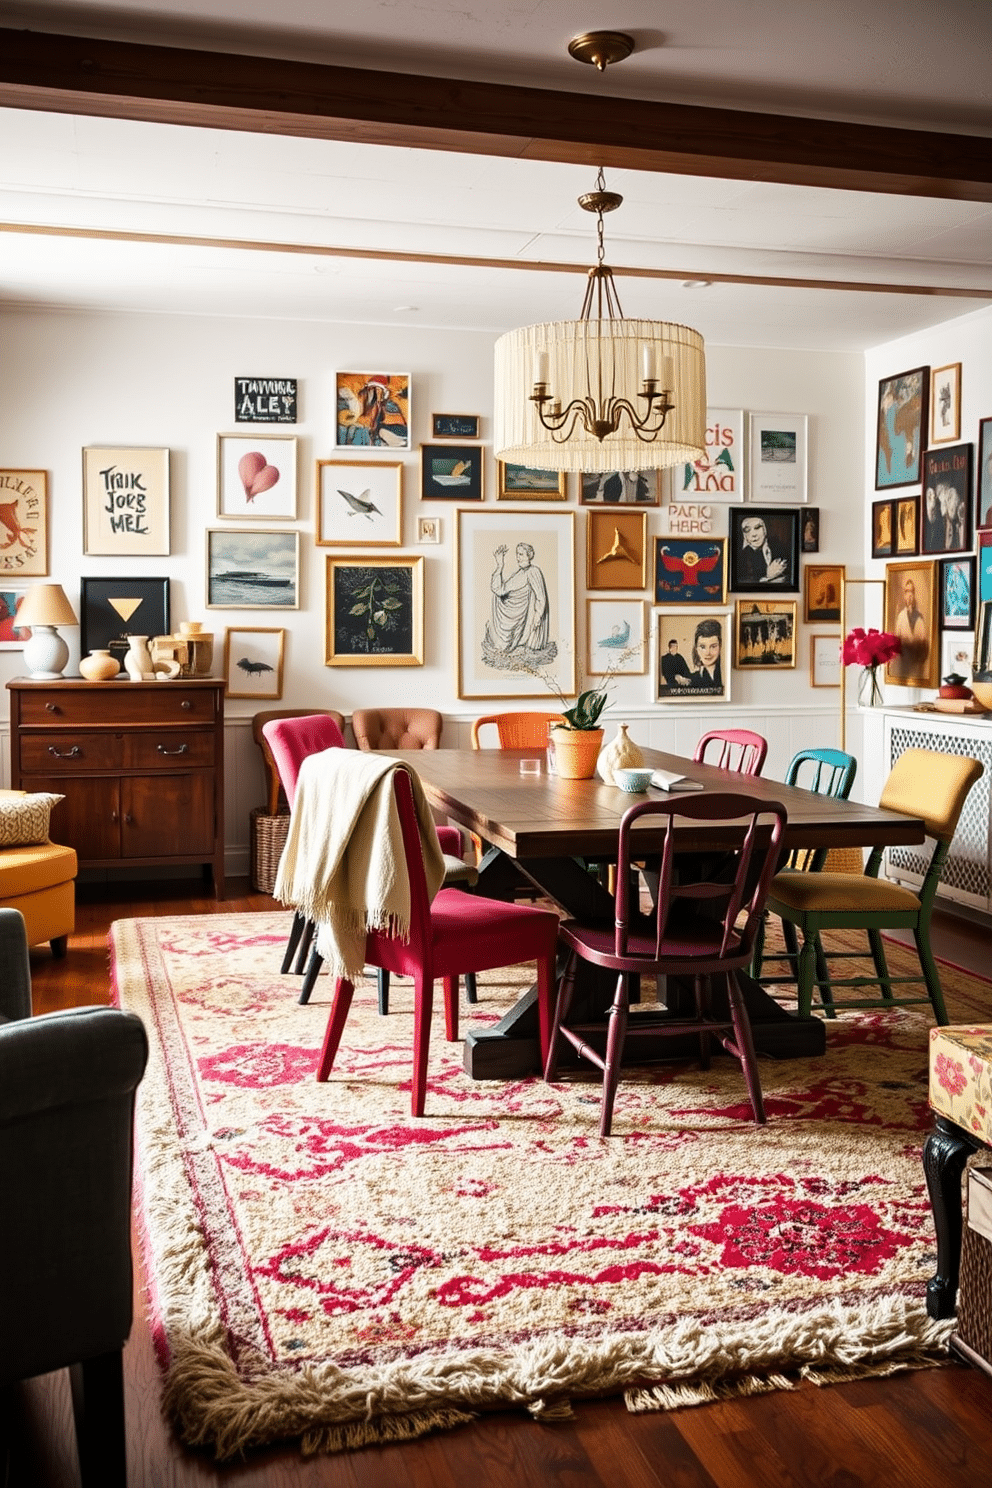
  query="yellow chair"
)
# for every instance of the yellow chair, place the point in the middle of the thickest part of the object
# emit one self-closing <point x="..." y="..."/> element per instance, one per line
<point x="517" y="730"/>
<point x="39" y="879"/>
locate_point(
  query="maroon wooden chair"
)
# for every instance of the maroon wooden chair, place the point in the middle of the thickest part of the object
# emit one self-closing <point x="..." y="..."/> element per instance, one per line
<point x="456" y="934"/>
<point x="739" y="750"/>
<point x="693" y="934"/>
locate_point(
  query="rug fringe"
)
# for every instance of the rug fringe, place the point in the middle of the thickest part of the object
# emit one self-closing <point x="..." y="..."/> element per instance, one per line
<point x="704" y="1392"/>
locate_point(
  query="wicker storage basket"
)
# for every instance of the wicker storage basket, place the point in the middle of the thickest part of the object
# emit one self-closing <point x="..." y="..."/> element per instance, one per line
<point x="267" y="838"/>
<point x="974" y="1321"/>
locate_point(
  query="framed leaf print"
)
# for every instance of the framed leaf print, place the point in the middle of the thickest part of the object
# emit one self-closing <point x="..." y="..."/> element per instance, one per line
<point x="374" y="614"/>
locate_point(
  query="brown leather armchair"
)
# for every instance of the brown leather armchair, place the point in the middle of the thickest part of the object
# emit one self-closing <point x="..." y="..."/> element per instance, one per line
<point x="397" y="728"/>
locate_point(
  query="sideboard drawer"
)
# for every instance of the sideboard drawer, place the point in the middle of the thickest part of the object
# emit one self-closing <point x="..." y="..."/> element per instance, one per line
<point x="73" y="753"/>
<point x="163" y="750"/>
<point x="118" y="702"/>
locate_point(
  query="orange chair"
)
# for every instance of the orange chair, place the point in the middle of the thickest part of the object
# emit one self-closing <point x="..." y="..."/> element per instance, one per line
<point x="517" y="730"/>
<point x="739" y="750"/>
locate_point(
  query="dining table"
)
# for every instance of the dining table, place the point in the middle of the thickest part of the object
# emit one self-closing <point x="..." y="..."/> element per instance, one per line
<point x="556" y="836"/>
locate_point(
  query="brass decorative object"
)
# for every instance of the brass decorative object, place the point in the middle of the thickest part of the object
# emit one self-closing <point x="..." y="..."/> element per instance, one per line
<point x="601" y="48"/>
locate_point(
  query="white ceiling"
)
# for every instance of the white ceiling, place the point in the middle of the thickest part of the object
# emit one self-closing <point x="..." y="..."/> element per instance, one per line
<point x="300" y="200"/>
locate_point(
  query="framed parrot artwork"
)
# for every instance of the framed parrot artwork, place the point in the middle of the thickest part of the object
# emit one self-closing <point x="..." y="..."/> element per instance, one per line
<point x="690" y="570"/>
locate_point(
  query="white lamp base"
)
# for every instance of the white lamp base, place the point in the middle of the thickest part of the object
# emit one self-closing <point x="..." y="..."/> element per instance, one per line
<point x="45" y="654"/>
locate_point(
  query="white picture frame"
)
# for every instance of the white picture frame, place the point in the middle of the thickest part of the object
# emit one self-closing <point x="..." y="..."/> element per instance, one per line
<point x="824" y="659"/>
<point x="256" y="477"/>
<point x="613" y="628"/>
<point x="253" y="659"/>
<point x="777" y="464"/>
<point x="359" y="503"/>
<point x="720" y="475"/>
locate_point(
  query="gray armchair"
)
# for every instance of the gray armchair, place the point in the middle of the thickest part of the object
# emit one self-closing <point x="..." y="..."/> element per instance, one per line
<point x="67" y="1085"/>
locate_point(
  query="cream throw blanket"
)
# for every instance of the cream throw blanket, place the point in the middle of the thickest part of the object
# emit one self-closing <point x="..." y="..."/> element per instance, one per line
<point x="343" y="865"/>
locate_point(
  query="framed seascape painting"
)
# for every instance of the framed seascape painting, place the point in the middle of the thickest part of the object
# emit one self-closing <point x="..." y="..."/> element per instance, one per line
<point x="525" y="483"/>
<point x="256" y="477"/>
<point x="719" y="476"/>
<point x="110" y="610"/>
<point x="372" y="408"/>
<point x="822" y="583"/>
<point x="824" y="660"/>
<point x="957" y="593"/>
<point x="901" y="427"/>
<point x="945" y="404"/>
<point x="983" y="486"/>
<point x="765" y="634"/>
<point x="374" y="614"/>
<point x="515" y="607"/>
<point x="252" y="570"/>
<point x="24" y="523"/>
<point x="911" y="614"/>
<point x="126" y="502"/>
<point x="693" y="650"/>
<point x="620" y="488"/>
<point x="253" y="662"/>
<point x="359" y="502"/>
<point x="778" y="457"/>
<point x="764" y="549"/>
<point x="451" y="472"/>
<point x="455" y="425"/>
<point x="615" y="638"/>
<point x="690" y="570"/>
<point x="616" y="549"/>
<point x="947" y="500"/>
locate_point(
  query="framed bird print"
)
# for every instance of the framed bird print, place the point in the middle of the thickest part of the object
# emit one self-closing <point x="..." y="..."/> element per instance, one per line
<point x="256" y="477"/>
<point x="359" y="503"/>
<point x="690" y="570"/>
<point x="253" y="662"/>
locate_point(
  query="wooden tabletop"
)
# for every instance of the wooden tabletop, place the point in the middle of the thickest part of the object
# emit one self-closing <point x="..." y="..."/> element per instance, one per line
<point x="544" y="816"/>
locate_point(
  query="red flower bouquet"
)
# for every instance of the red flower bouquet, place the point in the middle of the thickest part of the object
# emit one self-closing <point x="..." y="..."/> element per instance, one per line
<point x="870" y="649"/>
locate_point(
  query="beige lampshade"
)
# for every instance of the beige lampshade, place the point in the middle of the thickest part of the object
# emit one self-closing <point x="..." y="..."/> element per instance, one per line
<point x="599" y="356"/>
<point x="45" y="604"/>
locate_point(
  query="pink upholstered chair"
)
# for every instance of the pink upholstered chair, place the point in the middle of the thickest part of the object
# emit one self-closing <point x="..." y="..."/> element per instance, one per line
<point x="739" y="750"/>
<point x="456" y="934"/>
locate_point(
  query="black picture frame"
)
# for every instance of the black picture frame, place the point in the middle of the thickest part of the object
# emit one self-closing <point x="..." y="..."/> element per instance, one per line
<point x="946" y="507"/>
<point x="749" y="568"/>
<point x="455" y="425"/>
<point x="110" y="610"/>
<point x="441" y="475"/>
<point x="957" y="592"/>
<point x="901" y="427"/>
<point x="983" y="480"/>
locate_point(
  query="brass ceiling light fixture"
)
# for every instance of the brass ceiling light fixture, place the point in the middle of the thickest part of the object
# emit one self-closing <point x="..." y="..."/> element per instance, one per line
<point x="600" y="48"/>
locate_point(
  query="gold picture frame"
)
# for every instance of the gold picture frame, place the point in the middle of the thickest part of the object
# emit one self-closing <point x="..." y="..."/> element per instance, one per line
<point x="824" y="659"/>
<point x="524" y="483"/>
<point x="369" y="513"/>
<point x="374" y="610"/>
<point x="821" y="593"/>
<point x="765" y="634"/>
<point x="911" y="614"/>
<point x="257" y="671"/>
<point x="616" y="549"/>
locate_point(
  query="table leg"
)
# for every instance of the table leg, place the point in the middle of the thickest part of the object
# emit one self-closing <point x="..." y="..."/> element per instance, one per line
<point x="946" y="1149"/>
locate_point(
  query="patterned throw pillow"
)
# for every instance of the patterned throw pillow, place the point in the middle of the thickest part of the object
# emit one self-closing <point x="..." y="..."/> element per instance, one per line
<point x="24" y="820"/>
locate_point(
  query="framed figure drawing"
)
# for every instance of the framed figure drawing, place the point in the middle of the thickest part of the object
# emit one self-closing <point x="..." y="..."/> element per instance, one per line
<point x="901" y="427"/>
<point x="253" y="662"/>
<point x="764" y="549"/>
<point x="256" y="477"/>
<point x="778" y="457"/>
<point x="945" y="404"/>
<point x="515" y="608"/>
<point x="373" y="408"/>
<point x="765" y="634"/>
<point x="126" y="502"/>
<point x="24" y="523"/>
<point x="690" y="570"/>
<point x="911" y="614"/>
<point x="693" y="650"/>
<point x="359" y="503"/>
<point x="947" y="500"/>
<point x="824" y="660"/>
<point x="881" y="529"/>
<point x="905" y="525"/>
<point x="374" y="612"/>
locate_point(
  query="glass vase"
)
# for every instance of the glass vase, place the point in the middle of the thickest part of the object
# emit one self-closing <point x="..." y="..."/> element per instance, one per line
<point x="870" y="689"/>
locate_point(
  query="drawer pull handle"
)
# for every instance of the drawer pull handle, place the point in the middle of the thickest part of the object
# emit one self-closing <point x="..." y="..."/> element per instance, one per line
<point x="52" y="708"/>
<point x="183" y="749"/>
<point x="64" y="753"/>
<point x="186" y="703"/>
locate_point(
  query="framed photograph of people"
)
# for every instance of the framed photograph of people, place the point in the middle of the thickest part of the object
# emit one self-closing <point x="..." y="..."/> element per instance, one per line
<point x="765" y="634"/>
<point x="615" y="638"/>
<point x="905" y="526"/>
<point x="911" y="615"/>
<point x="764" y="549"/>
<point x="372" y="408"/>
<point x="778" y="457"/>
<point x="24" y="520"/>
<point x="719" y="476"/>
<point x="824" y="660"/>
<point x="983" y="486"/>
<point x="901" y="427"/>
<point x="451" y="472"/>
<point x="693" y="656"/>
<point x="526" y="483"/>
<point x="947" y="500"/>
<point x="126" y="502"/>
<point x="616" y="549"/>
<point x="881" y="529"/>
<point x="374" y="611"/>
<point x="620" y="488"/>
<point x="515" y="607"/>
<point x="359" y="503"/>
<point x="945" y="404"/>
<point x="253" y="662"/>
<point x="822" y="584"/>
<point x="957" y="593"/>
<point x="690" y="570"/>
<point x="256" y="477"/>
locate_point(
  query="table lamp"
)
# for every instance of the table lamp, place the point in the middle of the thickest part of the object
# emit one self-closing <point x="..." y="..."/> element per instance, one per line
<point x="43" y="607"/>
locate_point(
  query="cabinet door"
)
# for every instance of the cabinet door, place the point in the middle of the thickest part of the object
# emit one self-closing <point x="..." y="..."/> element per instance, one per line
<point x="89" y="817"/>
<point x="165" y="816"/>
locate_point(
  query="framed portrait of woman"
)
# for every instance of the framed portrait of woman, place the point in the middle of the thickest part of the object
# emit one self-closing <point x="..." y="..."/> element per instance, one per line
<point x="693" y="656"/>
<point x="764" y="550"/>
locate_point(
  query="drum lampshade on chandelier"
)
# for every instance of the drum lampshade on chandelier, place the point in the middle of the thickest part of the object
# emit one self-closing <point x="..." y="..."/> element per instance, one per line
<point x="601" y="392"/>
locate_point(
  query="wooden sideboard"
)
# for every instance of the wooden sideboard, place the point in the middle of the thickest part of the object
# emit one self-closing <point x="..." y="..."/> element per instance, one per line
<point x="141" y="766"/>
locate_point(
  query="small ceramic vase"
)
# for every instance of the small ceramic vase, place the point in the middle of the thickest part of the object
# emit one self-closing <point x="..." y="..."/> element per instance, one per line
<point x="99" y="666"/>
<point x="200" y="645"/>
<point x="137" y="661"/>
<point x="620" y="754"/>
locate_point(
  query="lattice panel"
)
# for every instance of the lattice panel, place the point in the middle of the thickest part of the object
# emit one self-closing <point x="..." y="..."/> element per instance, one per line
<point x="966" y="873"/>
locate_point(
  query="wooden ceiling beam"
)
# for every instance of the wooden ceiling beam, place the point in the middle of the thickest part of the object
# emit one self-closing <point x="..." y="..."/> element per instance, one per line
<point x="224" y="90"/>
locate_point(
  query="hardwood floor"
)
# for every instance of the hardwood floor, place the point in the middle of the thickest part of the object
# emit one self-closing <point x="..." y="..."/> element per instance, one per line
<point x="919" y="1430"/>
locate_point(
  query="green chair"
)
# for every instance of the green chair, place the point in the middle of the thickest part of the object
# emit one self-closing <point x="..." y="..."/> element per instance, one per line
<point x="921" y="783"/>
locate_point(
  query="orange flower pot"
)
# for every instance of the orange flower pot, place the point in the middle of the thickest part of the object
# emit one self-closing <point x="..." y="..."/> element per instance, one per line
<point x="576" y="752"/>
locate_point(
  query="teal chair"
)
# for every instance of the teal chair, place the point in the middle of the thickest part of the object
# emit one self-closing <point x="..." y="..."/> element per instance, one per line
<point x="921" y="783"/>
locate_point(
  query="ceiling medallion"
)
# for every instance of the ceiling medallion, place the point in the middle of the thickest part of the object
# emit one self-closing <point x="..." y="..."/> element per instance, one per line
<point x="600" y="48"/>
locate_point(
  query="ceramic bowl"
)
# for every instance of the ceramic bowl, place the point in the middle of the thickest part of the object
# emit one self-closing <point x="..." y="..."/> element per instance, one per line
<point x="982" y="693"/>
<point x="634" y="781"/>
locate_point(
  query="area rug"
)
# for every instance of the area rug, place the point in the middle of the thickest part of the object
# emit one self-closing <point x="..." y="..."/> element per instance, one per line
<point x="326" y="1269"/>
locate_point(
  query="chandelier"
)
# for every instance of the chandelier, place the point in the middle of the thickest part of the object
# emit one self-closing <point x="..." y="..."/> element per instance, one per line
<point x="601" y="392"/>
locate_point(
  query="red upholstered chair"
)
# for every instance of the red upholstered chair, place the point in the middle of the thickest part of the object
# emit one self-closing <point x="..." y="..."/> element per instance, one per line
<point x="693" y="934"/>
<point x="273" y="784"/>
<point x="456" y="934"/>
<point x="739" y="750"/>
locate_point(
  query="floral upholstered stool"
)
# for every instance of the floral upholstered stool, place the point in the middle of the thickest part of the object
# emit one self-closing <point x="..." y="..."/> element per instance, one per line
<point x="961" y="1099"/>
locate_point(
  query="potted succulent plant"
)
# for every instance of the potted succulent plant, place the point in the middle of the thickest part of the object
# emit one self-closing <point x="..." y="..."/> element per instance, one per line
<point x="578" y="739"/>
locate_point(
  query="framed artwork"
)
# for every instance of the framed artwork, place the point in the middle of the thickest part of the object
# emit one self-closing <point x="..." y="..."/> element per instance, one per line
<point x="690" y="570"/>
<point x="984" y="567"/>
<point x="125" y="502"/>
<point x="911" y="614"/>
<point x="616" y="549"/>
<point x="822" y="584"/>
<point x="693" y="648"/>
<point x="525" y="483"/>
<point x="957" y="654"/>
<point x="983" y="490"/>
<point x="24" y="523"/>
<point x="455" y="425"/>
<point x="428" y="529"/>
<point x="957" y="593"/>
<point x="946" y="500"/>
<point x="374" y="614"/>
<point x="881" y="529"/>
<point x="901" y="427"/>
<point x="764" y="549"/>
<point x="372" y="408"/>
<point x="515" y="606"/>
<point x="765" y="634"/>
<point x="12" y="636"/>
<point x="982" y="666"/>
<point x="810" y="541"/>
<point x="252" y="570"/>
<point x="905" y="525"/>
<point x="719" y="476"/>
<point x="778" y="457"/>
<point x="615" y="638"/>
<point x="359" y="503"/>
<point x="265" y="400"/>
<point x="824" y="660"/>
<point x="945" y="404"/>
<point x="451" y="472"/>
<point x="110" y="610"/>
<point x="256" y="477"/>
<point x="620" y="488"/>
<point x="253" y="662"/>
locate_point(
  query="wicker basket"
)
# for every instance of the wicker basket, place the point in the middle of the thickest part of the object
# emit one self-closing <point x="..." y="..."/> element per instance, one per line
<point x="267" y="837"/>
<point x="974" y="1320"/>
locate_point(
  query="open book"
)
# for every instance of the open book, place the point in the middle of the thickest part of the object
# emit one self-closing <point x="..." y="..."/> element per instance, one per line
<point x="665" y="780"/>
